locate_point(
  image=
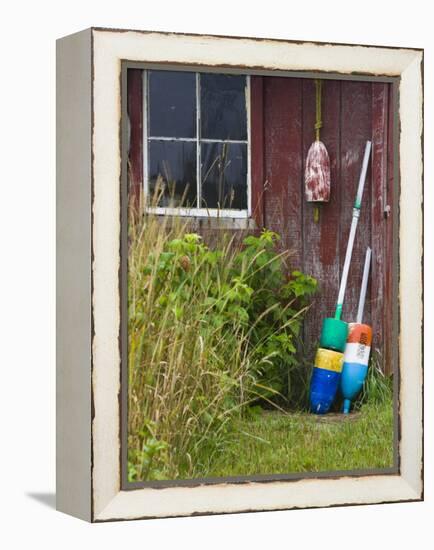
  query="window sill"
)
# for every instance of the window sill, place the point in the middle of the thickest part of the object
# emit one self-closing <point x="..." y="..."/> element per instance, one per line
<point x="197" y="212"/>
<point x="211" y="222"/>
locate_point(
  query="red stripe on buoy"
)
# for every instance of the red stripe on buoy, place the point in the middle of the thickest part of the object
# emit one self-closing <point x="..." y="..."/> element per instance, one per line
<point x="359" y="333"/>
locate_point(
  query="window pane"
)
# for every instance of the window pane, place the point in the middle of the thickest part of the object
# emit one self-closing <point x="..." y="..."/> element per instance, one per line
<point x="223" y="106"/>
<point x="224" y="175"/>
<point x="172" y="173"/>
<point x="172" y="104"/>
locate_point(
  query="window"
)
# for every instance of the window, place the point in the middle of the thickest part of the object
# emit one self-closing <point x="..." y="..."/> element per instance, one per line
<point x="196" y="143"/>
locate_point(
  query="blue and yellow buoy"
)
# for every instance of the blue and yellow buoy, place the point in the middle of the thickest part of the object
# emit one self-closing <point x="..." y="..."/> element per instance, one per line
<point x="325" y="379"/>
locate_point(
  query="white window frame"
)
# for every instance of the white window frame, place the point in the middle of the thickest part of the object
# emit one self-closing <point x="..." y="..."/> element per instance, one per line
<point x="196" y="211"/>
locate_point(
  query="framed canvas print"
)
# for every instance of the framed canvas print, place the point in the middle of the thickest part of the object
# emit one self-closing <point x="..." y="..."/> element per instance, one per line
<point x="239" y="248"/>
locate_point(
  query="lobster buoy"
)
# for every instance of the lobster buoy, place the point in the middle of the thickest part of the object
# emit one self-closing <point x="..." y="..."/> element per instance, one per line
<point x="356" y="359"/>
<point x="334" y="334"/>
<point x="317" y="173"/>
<point x="317" y="170"/>
<point x="325" y="379"/>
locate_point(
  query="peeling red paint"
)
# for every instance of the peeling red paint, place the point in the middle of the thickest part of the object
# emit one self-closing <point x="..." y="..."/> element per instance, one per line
<point x="353" y="112"/>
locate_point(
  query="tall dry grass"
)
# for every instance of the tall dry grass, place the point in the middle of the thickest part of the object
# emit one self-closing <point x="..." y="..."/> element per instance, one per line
<point x="188" y="373"/>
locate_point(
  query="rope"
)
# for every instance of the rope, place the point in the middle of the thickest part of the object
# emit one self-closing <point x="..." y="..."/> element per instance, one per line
<point x="318" y="123"/>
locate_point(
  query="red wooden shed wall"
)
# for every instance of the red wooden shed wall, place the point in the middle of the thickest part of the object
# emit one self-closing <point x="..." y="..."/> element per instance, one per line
<point x="282" y="121"/>
<point x="283" y="112"/>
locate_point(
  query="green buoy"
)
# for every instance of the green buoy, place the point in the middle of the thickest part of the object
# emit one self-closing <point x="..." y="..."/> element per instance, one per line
<point x="334" y="334"/>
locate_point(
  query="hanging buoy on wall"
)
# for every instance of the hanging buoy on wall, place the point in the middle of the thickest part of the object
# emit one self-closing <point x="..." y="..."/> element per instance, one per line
<point x="358" y="348"/>
<point x="317" y="171"/>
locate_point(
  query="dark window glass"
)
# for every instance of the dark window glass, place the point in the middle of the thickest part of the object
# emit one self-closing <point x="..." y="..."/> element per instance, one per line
<point x="172" y="173"/>
<point x="172" y="104"/>
<point x="223" y="107"/>
<point x="224" y="175"/>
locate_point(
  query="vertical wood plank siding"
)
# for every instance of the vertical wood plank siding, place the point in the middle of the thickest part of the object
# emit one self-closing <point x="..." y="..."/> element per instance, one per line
<point x="378" y="204"/>
<point x="353" y="112"/>
<point x="283" y="162"/>
<point x="356" y="128"/>
<point x="389" y="222"/>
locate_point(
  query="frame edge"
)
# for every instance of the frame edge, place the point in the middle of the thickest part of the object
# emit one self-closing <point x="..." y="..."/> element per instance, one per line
<point x="73" y="275"/>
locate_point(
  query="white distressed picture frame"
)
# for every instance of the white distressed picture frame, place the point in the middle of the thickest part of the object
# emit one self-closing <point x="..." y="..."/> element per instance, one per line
<point x="89" y="153"/>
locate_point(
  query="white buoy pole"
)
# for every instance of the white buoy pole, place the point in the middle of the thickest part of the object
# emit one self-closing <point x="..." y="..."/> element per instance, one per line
<point x="354" y="222"/>
<point x="365" y="278"/>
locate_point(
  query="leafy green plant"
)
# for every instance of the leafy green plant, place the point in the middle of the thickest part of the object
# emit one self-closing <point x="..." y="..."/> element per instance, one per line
<point x="277" y="305"/>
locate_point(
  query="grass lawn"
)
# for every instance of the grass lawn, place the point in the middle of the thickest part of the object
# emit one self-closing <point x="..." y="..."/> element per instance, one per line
<point x="276" y="443"/>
